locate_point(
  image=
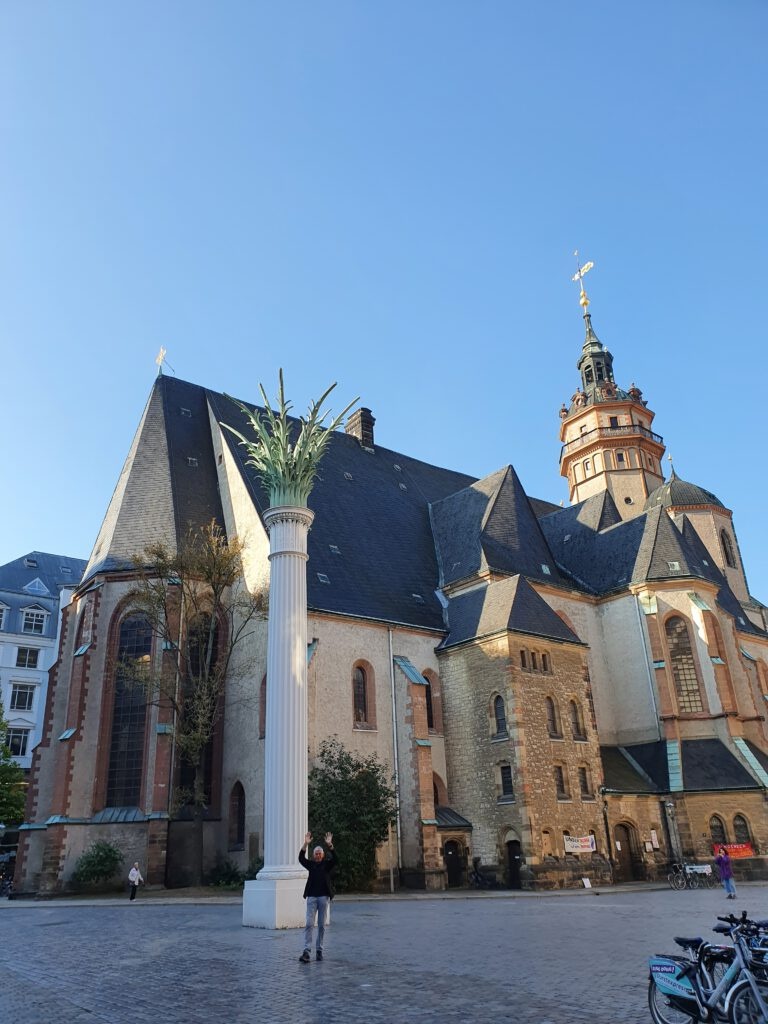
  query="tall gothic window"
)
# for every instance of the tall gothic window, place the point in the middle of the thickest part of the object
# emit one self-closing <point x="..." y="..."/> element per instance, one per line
<point x="553" y="718"/>
<point x="237" y="817"/>
<point x="683" y="666"/>
<point x="360" y="694"/>
<point x="741" y="830"/>
<point x="717" y="830"/>
<point x="430" y="708"/>
<point x="728" y="555"/>
<point x="126" y="750"/>
<point x="577" y="722"/>
<point x="500" y="716"/>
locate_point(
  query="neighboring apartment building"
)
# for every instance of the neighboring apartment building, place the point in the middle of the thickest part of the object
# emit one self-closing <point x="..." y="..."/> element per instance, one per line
<point x="33" y="591"/>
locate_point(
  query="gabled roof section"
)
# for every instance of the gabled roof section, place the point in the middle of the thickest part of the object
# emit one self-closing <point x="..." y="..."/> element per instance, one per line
<point x="503" y="605"/>
<point x="371" y="538"/>
<point x="706" y="764"/>
<point x="491" y="525"/>
<point x="621" y="775"/>
<point x="168" y="483"/>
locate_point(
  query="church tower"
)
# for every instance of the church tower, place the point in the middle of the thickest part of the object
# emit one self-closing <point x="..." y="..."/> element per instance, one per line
<point x="608" y="444"/>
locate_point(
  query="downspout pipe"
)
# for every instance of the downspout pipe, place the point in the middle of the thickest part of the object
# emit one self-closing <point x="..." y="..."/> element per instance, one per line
<point x="395" y="753"/>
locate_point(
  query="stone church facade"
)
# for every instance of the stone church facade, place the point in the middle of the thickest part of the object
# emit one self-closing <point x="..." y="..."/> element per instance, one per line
<point x="561" y="692"/>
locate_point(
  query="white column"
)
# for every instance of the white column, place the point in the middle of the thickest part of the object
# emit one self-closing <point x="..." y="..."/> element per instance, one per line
<point x="274" y="899"/>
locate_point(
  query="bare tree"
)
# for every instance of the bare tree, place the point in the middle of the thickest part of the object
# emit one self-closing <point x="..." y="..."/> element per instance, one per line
<point x="197" y="605"/>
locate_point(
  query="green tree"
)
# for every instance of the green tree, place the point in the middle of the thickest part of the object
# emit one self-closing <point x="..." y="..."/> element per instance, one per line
<point x="200" y="610"/>
<point x="351" y="796"/>
<point x="13" y="793"/>
<point x="100" y="862"/>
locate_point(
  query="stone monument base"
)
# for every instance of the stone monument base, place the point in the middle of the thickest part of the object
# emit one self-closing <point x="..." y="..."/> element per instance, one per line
<point x="275" y="900"/>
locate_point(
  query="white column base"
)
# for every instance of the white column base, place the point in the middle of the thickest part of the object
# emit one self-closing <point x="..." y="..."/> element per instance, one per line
<point x="275" y="902"/>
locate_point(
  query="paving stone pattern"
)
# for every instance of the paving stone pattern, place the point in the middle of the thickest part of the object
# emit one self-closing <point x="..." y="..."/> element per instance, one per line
<point x="563" y="960"/>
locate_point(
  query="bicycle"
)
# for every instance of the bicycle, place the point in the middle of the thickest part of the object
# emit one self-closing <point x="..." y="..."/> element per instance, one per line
<point x="683" y="876"/>
<point x="712" y="984"/>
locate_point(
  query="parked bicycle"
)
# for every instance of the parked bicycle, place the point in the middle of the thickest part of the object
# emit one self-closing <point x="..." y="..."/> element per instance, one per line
<point x="713" y="983"/>
<point x="691" y="876"/>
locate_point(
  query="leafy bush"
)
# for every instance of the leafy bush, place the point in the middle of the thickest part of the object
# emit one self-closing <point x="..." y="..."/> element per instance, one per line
<point x="351" y="797"/>
<point x="99" y="863"/>
<point x="254" y="868"/>
<point x="226" y="875"/>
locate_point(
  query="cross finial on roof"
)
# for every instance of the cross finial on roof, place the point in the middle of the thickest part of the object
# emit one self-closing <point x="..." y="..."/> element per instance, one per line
<point x="160" y="359"/>
<point x="579" y="276"/>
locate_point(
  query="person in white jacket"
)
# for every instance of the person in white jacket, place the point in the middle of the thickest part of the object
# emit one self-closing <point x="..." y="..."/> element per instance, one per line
<point x="135" y="879"/>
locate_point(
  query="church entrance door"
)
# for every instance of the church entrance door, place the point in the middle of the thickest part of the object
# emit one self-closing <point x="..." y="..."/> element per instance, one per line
<point x="514" y="861"/>
<point x="625" y="845"/>
<point x="453" y="863"/>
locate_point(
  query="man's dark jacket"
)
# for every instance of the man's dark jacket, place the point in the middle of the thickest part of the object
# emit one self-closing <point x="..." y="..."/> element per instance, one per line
<point x="319" y="881"/>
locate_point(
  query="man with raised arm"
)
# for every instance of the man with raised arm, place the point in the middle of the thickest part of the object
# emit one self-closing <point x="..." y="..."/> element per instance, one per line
<point x="318" y="892"/>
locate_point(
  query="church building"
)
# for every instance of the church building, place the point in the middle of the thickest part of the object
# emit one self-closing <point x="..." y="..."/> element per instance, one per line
<point x="560" y="692"/>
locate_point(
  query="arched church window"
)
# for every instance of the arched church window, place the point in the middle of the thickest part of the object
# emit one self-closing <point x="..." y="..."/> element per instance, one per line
<point x="237" y="817"/>
<point x="717" y="830"/>
<point x="430" y="707"/>
<point x="263" y="708"/>
<point x="360" y="693"/>
<point x="553" y="718"/>
<point x="577" y="722"/>
<point x="500" y="716"/>
<point x="126" y="749"/>
<point x="683" y="666"/>
<point x="727" y="546"/>
<point x="741" y="833"/>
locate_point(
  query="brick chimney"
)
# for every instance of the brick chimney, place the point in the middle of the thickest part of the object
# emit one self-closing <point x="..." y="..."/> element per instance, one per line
<point x="360" y="425"/>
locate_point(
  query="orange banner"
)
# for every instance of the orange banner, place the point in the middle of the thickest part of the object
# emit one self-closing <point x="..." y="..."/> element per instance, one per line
<point x="735" y="850"/>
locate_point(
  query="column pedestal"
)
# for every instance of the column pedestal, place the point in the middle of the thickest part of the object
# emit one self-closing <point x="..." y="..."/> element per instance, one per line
<point x="275" y="898"/>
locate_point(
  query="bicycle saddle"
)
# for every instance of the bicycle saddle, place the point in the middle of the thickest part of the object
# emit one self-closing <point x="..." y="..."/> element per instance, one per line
<point x="688" y="943"/>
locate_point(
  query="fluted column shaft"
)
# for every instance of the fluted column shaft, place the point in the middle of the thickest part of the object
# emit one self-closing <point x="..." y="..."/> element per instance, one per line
<point x="285" y="771"/>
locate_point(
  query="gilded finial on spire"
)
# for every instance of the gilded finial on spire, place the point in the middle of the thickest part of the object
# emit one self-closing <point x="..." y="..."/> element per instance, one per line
<point x="579" y="276"/>
<point x="160" y="359"/>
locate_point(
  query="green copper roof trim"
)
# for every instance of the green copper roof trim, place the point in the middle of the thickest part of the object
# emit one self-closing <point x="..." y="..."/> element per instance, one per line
<point x="311" y="648"/>
<point x="674" y="766"/>
<point x="423" y="743"/>
<point x="699" y="602"/>
<point x="754" y="765"/>
<point x="164" y="729"/>
<point x="429" y="821"/>
<point x="31" y="827"/>
<point x="659" y="664"/>
<point x="67" y="734"/>
<point x="747" y="655"/>
<point x="410" y="670"/>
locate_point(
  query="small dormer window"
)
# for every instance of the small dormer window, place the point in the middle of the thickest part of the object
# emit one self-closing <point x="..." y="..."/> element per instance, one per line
<point x="30" y="563"/>
<point x="674" y="566"/>
<point x="403" y="487"/>
<point x="418" y="598"/>
<point x="184" y="412"/>
<point x="334" y="549"/>
<point x="323" y="578"/>
<point x="347" y="476"/>
<point x="191" y="461"/>
<point x="546" y="570"/>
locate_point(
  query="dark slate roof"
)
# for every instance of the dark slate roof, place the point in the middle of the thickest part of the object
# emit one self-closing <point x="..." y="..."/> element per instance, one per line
<point x="508" y="604"/>
<point x="676" y="493"/>
<point x="160" y="495"/>
<point x="491" y="525"/>
<point x="379" y="521"/>
<point x="448" y="818"/>
<point x="620" y="775"/>
<point x="51" y="570"/>
<point x="709" y="764"/>
<point x="706" y="764"/>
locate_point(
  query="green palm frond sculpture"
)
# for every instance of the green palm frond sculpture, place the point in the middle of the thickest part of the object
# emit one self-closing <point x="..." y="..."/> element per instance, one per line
<point x="287" y="468"/>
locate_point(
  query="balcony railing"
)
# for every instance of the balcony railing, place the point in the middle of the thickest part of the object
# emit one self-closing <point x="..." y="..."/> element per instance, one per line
<point x="626" y="430"/>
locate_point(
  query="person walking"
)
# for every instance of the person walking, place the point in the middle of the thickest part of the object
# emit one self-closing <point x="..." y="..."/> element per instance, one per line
<point x="134" y="880"/>
<point x="318" y="892"/>
<point x="725" y="868"/>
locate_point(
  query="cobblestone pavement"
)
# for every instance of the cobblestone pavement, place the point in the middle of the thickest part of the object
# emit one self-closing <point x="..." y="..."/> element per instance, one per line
<point x="564" y="960"/>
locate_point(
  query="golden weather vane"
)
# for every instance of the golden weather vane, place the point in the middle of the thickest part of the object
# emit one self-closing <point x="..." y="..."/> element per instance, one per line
<point x="161" y="361"/>
<point x="579" y="276"/>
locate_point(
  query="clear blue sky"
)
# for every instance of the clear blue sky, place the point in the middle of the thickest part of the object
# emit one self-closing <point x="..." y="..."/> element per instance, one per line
<point x="387" y="195"/>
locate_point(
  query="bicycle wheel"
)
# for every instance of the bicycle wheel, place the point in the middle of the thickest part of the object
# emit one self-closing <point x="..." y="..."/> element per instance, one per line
<point x="676" y="880"/>
<point x="743" y="1007"/>
<point x="662" y="1011"/>
<point x="693" y="880"/>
